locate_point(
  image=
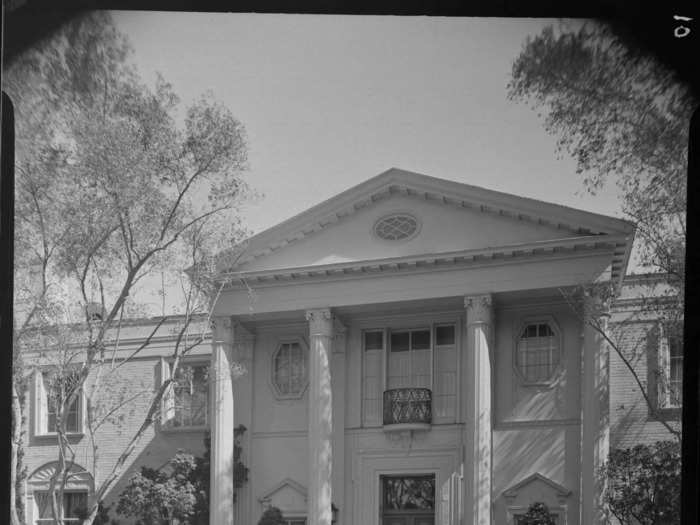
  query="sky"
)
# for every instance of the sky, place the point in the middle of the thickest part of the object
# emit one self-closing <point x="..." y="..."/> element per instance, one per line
<point x="330" y="101"/>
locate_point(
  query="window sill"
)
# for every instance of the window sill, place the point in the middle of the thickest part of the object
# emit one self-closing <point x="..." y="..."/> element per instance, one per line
<point x="52" y="435"/>
<point x="183" y="430"/>
<point x="400" y="427"/>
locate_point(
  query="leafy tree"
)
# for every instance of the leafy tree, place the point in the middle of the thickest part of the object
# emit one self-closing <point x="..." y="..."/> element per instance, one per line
<point x="115" y="185"/>
<point x="644" y="484"/>
<point x="624" y="118"/>
<point x="537" y="514"/>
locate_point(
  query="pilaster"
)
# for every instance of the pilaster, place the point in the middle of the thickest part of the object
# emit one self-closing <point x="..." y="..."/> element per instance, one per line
<point x="595" y="409"/>
<point x="338" y="382"/>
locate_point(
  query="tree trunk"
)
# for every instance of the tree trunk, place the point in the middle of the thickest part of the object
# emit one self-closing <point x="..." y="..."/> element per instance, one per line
<point x="14" y="454"/>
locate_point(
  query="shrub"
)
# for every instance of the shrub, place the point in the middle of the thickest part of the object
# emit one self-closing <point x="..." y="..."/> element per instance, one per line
<point x="272" y="516"/>
<point x="537" y="514"/>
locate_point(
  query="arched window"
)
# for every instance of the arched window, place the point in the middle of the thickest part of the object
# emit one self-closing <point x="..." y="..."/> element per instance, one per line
<point x="79" y="485"/>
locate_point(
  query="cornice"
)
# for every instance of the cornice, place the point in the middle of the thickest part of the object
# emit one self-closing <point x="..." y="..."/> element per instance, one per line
<point x="550" y="250"/>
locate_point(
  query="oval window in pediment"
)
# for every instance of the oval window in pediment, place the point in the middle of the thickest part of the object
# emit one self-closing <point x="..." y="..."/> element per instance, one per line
<point x="396" y="227"/>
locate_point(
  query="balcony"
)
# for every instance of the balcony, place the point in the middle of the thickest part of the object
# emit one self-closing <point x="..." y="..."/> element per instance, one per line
<point x="408" y="409"/>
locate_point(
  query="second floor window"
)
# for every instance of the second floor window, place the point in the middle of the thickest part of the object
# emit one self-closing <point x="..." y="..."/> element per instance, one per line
<point x="51" y="389"/>
<point x="671" y="369"/>
<point x="190" y="396"/>
<point x="537" y="352"/>
<point x="289" y="369"/>
<point x="409" y="359"/>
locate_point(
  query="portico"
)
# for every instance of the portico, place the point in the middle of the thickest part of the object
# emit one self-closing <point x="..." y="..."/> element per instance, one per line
<point x="448" y="296"/>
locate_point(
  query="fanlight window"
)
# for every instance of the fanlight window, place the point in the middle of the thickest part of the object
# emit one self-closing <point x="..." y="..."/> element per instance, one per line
<point x="289" y="369"/>
<point x="537" y="353"/>
<point x="396" y="227"/>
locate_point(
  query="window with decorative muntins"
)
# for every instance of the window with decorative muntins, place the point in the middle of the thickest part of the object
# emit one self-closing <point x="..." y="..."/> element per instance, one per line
<point x="537" y="353"/>
<point x="289" y="369"/>
<point x="396" y="227"/>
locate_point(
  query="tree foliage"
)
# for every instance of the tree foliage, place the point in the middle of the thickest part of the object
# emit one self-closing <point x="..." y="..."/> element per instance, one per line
<point x="116" y="183"/>
<point x="624" y="118"/>
<point x="644" y="484"/>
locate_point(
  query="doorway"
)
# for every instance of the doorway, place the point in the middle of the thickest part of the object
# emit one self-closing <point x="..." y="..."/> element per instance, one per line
<point x="408" y="500"/>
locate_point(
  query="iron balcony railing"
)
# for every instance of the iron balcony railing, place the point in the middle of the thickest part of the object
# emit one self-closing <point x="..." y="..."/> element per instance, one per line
<point x="408" y="405"/>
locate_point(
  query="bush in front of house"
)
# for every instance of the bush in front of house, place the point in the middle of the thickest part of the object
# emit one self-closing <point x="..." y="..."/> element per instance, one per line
<point x="537" y="514"/>
<point x="272" y="516"/>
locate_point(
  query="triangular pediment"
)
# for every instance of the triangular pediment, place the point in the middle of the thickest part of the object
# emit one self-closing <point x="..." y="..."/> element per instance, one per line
<point x="537" y="487"/>
<point x="288" y="496"/>
<point x="440" y="216"/>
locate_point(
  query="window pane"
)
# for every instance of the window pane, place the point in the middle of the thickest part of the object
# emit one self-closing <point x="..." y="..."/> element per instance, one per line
<point x="420" y="340"/>
<point x="374" y="340"/>
<point x="43" y="503"/>
<point x="74" y="504"/>
<point x="445" y="335"/>
<point x="289" y="374"/>
<point x="191" y="395"/>
<point x="72" y="420"/>
<point x="399" y="341"/>
<point x="675" y="347"/>
<point x="537" y="353"/>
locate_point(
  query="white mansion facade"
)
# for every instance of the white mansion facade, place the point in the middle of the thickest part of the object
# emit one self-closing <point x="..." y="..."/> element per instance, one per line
<point x="408" y="358"/>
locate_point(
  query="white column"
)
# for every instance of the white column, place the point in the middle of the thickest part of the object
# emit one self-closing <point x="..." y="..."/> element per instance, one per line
<point x="320" y="417"/>
<point x="221" y="410"/>
<point x="243" y="344"/>
<point x="595" y="411"/>
<point x="477" y="506"/>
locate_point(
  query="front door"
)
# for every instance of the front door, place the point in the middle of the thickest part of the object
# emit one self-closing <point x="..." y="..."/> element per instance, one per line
<point x="408" y="500"/>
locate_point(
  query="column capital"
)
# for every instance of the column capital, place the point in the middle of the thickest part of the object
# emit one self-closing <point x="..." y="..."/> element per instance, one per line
<point x="320" y="322"/>
<point x="479" y="308"/>
<point x="222" y="328"/>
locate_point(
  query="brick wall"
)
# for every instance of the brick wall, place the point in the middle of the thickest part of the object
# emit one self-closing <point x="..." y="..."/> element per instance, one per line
<point x="631" y="422"/>
<point x="133" y="386"/>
